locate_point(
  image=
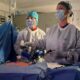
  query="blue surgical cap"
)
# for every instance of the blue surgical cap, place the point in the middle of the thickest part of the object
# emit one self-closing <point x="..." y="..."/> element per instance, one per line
<point x="34" y="14"/>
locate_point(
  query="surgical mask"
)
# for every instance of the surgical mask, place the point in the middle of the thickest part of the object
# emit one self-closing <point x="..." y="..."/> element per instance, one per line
<point x="29" y="23"/>
<point x="60" y="14"/>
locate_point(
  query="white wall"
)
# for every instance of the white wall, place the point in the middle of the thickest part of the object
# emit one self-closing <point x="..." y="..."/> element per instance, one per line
<point x="4" y="9"/>
<point x="47" y="20"/>
<point x="76" y="20"/>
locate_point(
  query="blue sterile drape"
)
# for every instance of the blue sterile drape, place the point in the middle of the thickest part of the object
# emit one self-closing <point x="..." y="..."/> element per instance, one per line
<point x="8" y="35"/>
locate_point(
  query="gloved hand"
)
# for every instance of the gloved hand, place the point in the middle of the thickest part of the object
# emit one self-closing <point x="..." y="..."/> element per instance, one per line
<point x="73" y="56"/>
<point x="28" y="43"/>
<point x="19" y="57"/>
<point x="24" y="45"/>
<point x="70" y="56"/>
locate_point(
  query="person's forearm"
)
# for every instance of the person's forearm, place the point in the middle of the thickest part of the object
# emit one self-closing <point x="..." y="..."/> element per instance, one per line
<point x="71" y="55"/>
